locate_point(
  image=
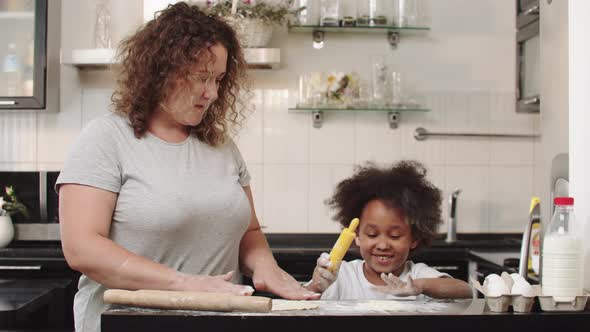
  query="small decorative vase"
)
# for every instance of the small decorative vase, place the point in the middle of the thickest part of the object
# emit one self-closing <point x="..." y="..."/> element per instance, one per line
<point x="6" y="231"/>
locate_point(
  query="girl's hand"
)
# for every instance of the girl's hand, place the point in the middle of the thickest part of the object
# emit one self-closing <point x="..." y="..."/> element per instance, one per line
<point x="322" y="276"/>
<point x="271" y="278"/>
<point x="396" y="287"/>
<point x="217" y="284"/>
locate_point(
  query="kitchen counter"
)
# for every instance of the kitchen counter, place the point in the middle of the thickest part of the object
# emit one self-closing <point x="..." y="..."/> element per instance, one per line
<point x="23" y="299"/>
<point x="467" y="315"/>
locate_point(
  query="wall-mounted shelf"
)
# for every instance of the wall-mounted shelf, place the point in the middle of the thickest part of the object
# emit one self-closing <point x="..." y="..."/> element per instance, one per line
<point x="393" y="113"/>
<point x="17" y="15"/>
<point x="263" y="58"/>
<point x="98" y="58"/>
<point x="93" y="58"/>
<point x="393" y="32"/>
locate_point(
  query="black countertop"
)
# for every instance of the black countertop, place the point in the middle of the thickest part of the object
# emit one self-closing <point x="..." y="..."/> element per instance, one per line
<point x="488" y="248"/>
<point x="291" y="243"/>
<point x="21" y="297"/>
<point x="289" y="248"/>
<point x="469" y="315"/>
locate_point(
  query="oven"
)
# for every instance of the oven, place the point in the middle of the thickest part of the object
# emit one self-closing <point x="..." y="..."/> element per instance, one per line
<point x="37" y="286"/>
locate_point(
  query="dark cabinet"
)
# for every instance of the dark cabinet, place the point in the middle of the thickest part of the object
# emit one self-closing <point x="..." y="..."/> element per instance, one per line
<point x="29" y="54"/>
<point x="528" y="98"/>
<point x="37" y="288"/>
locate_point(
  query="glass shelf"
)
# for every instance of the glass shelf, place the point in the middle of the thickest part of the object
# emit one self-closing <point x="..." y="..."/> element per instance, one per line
<point x="393" y="114"/>
<point x="357" y="29"/>
<point x="392" y="31"/>
<point x="99" y="58"/>
<point x="361" y="109"/>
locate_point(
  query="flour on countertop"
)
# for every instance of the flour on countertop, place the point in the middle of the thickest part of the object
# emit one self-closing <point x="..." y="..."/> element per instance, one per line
<point x="283" y="305"/>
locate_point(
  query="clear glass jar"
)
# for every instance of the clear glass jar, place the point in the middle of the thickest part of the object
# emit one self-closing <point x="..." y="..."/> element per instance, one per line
<point x="379" y="70"/>
<point x="330" y="13"/>
<point x="372" y="12"/>
<point x="406" y="13"/>
<point x="310" y="15"/>
<point x="349" y="13"/>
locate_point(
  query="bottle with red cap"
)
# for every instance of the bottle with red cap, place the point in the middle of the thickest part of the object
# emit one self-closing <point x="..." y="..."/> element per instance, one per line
<point x="562" y="266"/>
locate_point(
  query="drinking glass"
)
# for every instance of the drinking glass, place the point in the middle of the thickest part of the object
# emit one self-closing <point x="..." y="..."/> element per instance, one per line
<point x="310" y="15"/>
<point x="405" y="13"/>
<point x="372" y="12"/>
<point x="397" y="97"/>
<point x="379" y="79"/>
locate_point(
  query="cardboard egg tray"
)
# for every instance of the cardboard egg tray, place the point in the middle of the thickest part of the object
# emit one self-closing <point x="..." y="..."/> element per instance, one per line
<point x="521" y="303"/>
<point x="502" y="303"/>
<point x="574" y="303"/>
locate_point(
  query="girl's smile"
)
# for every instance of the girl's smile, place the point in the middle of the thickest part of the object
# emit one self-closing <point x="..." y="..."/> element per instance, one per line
<point x="384" y="239"/>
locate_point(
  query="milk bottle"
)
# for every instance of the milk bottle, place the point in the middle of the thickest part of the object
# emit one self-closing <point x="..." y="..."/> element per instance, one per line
<point x="562" y="266"/>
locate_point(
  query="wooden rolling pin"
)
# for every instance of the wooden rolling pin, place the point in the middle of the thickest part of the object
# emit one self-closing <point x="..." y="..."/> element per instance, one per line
<point x="188" y="300"/>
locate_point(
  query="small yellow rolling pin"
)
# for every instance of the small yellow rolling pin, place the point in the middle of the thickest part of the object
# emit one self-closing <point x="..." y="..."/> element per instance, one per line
<point x="342" y="244"/>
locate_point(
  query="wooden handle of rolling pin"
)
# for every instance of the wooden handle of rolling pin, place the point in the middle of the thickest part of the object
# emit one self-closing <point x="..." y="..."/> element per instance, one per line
<point x="188" y="300"/>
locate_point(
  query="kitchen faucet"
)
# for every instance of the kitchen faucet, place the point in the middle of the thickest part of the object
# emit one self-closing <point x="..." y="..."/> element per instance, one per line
<point x="452" y="221"/>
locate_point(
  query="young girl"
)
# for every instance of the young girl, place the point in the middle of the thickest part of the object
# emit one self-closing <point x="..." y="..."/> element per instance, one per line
<point x="399" y="212"/>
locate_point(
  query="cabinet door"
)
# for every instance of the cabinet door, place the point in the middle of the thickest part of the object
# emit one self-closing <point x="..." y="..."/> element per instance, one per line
<point x="23" y="54"/>
<point x="457" y="269"/>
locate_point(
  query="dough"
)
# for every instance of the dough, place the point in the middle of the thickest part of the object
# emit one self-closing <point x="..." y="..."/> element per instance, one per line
<point x="283" y="305"/>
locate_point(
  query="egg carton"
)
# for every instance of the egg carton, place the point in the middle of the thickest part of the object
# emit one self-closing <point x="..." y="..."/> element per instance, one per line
<point x="573" y="303"/>
<point x="518" y="302"/>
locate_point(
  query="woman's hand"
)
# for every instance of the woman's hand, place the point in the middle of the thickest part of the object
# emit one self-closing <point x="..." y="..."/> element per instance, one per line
<point x="271" y="278"/>
<point x="322" y="276"/>
<point x="217" y="284"/>
<point x="396" y="287"/>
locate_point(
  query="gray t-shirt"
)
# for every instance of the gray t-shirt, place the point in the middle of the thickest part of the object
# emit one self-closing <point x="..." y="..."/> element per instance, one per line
<point x="179" y="204"/>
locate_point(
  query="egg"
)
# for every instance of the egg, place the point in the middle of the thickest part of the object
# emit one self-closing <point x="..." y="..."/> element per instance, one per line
<point x="494" y="286"/>
<point x="517" y="277"/>
<point x="521" y="286"/>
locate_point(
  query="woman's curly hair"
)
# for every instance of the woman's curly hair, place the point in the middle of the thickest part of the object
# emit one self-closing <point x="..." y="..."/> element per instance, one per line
<point x="165" y="49"/>
<point x="403" y="186"/>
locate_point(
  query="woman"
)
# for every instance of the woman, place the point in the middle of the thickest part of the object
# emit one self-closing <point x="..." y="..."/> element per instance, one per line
<point x="155" y="196"/>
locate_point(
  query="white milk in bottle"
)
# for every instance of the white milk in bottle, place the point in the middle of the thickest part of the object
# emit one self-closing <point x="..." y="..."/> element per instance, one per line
<point x="562" y="266"/>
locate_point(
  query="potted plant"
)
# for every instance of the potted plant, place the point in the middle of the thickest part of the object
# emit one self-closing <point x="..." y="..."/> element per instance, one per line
<point x="9" y="207"/>
<point x="254" y="22"/>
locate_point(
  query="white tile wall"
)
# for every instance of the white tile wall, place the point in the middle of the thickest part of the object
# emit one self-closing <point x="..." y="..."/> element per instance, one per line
<point x="495" y="175"/>
<point x="57" y="130"/>
<point x="257" y="187"/>
<point x="18" y="138"/>
<point x="294" y="166"/>
<point x="322" y="182"/>
<point x="95" y="103"/>
<point x="286" y="135"/>
<point x="286" y="191"/>
<point x="374" y="140"/>
<point x="473" y="201"/>
<point x="509" y="199"/>
<point x="250" y="137"/>
<point x="334" y="143"/>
